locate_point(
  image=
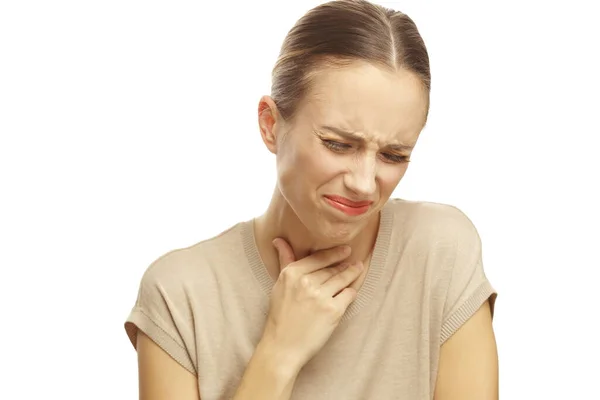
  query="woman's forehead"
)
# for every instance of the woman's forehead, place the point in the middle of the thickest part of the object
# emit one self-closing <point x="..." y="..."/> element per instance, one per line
<point x="367" y="100"/>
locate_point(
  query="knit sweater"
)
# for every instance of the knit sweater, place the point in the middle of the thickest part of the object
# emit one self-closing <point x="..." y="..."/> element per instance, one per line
<point x="206" y="306"/>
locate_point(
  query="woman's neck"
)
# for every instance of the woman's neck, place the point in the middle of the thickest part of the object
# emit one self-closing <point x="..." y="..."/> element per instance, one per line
<point x="281" y="221"/>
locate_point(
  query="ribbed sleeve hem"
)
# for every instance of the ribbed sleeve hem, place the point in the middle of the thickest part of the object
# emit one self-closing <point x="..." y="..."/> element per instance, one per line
<point x="139" y="320"/>
<point x="484" y="292"/>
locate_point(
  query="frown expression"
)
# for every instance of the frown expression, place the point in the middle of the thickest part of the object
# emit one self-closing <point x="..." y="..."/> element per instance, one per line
<point x="352" y="136"/>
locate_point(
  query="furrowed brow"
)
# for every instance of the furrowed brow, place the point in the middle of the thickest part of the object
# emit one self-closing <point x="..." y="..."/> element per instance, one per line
<point x="358" y="138"/>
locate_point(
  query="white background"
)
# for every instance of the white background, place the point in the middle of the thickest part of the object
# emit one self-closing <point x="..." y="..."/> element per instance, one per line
<point x="129" y="128"/>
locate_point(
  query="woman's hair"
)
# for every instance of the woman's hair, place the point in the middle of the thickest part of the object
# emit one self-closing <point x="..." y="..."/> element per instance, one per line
<point x="337" y="33"/>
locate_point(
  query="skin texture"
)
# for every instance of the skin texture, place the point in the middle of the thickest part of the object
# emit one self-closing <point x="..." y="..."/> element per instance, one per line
<point x="384" y="108"/>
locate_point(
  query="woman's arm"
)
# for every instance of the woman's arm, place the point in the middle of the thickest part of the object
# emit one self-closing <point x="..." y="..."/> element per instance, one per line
<point x="268" y="376"/>
<point x="468" y="367"/>
<point x="160" y="376"/>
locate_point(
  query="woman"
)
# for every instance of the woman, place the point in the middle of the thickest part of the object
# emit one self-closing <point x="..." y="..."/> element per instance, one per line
<point x="336" y="291"/>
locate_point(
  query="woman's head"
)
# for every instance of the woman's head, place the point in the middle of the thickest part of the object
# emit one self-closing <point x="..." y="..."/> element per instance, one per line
<point x="350" y="96"/>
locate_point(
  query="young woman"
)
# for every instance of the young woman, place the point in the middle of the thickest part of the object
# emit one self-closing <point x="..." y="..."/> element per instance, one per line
<point x="337" y="291"/>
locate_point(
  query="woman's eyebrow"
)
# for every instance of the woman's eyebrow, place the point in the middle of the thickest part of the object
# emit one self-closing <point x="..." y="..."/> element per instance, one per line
<point x="359" y="138"/>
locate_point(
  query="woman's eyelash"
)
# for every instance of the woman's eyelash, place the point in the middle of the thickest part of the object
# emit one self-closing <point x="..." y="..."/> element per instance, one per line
<point x="337" y="146"/>
<point x="396" y="158"/>
<point x="332" y="144"/>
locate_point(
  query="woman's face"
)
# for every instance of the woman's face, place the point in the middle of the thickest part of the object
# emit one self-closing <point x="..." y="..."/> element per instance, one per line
<point x="351" y="138"/>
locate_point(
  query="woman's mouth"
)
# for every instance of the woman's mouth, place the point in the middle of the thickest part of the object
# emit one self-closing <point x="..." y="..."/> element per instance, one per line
<point x="347" y="206"/>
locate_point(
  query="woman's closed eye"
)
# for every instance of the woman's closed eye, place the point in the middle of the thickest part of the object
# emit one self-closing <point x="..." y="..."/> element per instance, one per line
<point x="394" y="158"/>
<point x="339" y="147"/>
<point x="336" y="146"/>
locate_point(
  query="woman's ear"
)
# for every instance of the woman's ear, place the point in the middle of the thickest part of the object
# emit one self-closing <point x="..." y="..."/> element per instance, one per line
<point x="268" y="119"/>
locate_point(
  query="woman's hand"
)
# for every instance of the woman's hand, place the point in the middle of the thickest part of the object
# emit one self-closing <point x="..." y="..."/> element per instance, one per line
<point x="308" y="301"/>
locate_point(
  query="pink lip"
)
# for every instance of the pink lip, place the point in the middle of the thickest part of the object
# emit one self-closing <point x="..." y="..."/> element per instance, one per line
<point x="348" y="206"/>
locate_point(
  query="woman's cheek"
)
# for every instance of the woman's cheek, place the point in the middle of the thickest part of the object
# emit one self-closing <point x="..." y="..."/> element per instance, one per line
<point x="328" y="163"/>
<point x="390" y="176"/>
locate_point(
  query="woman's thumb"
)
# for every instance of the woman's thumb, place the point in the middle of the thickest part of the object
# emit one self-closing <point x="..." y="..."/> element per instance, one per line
<point x="285" y="252"/>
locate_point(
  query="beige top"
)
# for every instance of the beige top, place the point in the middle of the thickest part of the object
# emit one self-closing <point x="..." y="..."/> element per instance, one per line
<point x="206" y="306"/>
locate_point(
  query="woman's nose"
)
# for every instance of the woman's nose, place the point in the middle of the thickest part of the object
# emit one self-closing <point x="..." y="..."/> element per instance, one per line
<point x="361" y="179"/>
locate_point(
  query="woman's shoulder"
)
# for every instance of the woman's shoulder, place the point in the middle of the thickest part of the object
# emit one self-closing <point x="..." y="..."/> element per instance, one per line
<point x="427" y="213"/>
<point x="449" y="246"/>
<point x="173" y="287"/>
<point x="195" y="263"/>
<point x="431" y="223"/>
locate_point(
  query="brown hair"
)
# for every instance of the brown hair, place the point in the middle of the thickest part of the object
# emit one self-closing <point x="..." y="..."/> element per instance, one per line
<point x="335" y="34"/>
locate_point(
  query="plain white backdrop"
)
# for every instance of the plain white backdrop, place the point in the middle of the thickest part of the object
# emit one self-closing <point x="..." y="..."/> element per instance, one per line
<point x="129" y="129"/>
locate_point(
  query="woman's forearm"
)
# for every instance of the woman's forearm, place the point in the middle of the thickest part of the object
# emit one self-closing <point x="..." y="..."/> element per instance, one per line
<point x="268" y="376"/>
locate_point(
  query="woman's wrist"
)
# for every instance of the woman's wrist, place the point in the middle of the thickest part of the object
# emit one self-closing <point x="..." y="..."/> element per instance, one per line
<point x="278" y="361"/>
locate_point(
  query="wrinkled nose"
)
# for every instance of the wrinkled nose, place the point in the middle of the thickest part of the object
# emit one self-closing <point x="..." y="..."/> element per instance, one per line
<point x="361" y="178"/>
